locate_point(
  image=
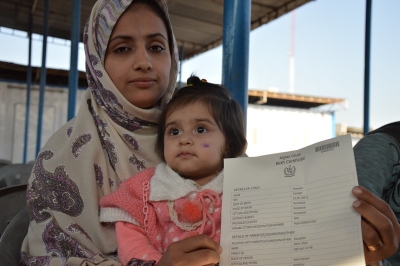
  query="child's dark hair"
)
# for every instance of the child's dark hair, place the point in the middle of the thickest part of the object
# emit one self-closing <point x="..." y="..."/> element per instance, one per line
<point x="224" y="109"/>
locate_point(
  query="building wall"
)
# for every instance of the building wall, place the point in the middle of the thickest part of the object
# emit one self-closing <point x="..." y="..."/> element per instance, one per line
<point x="269" y="129"/>
<point x="278" y="129"/>
<point x="12" y="118"/>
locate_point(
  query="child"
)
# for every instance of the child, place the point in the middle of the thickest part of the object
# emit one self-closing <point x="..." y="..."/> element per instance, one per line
<point x="199" y="127"/>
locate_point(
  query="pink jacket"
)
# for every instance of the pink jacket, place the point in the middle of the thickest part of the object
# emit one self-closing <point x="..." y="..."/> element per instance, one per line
<point x="176" y="209"/>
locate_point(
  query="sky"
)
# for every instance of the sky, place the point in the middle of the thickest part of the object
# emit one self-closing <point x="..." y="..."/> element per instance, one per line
<point x="329" y="56"/>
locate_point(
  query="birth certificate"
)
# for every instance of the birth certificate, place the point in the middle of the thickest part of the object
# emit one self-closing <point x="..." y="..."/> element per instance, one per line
<point x="292" y="208"/>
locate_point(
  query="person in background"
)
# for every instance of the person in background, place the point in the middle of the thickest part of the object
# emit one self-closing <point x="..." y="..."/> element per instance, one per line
<point x="377" y="158"/>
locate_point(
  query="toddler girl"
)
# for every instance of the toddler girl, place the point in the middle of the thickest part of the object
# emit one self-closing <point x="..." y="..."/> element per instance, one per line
<point x="181" y="197"/>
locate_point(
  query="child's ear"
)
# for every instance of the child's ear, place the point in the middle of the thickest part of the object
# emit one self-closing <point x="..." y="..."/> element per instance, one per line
<point x="225" y="153"/>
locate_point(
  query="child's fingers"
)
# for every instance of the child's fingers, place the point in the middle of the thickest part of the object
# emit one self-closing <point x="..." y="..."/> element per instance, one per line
<point x="196" y="250"/>
<point x="198" y="242"/>
<point x="202" y="257"/>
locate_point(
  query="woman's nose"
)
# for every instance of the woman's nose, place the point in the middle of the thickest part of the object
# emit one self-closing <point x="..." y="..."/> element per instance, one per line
<point x="142" y="60"/>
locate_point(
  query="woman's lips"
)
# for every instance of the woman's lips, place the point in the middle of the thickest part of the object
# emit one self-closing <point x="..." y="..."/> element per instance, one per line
<point x="143" y="82"/>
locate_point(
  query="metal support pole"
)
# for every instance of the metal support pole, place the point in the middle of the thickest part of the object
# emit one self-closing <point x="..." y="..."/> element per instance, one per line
<point x="180" y="66"/>
<point x="235" y="47"/>
<point x="42" y="75"/>
<point x="73" y="70"/>
<point x="367" y="64"/>
<point x="28" y="91"/>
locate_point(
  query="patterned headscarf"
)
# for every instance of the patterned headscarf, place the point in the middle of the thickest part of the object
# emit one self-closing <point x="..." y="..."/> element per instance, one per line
<point x="108" y="141"/>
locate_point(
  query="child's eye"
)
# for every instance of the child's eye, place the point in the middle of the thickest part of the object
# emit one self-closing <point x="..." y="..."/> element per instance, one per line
<point x="201" y="130"/>
<point x="156" y="48"/>
<point x="122" y="50"/>
<point x="174" y="132"/>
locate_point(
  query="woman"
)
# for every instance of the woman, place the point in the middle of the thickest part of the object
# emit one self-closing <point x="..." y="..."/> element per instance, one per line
<point x="111" y="138"/>
<point x="131" y="68"/>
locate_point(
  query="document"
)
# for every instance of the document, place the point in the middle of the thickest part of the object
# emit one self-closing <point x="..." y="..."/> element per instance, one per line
<point x="292" y="208"/>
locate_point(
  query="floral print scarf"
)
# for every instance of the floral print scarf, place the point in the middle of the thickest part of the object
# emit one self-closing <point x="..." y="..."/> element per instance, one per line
<point x="108" y="141"/>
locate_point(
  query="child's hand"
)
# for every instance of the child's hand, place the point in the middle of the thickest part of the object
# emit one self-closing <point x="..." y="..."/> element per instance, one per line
<point x="196" y="250"/>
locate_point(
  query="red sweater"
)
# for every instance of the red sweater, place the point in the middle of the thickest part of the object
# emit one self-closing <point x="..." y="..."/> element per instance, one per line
<point x="186" y="210"/>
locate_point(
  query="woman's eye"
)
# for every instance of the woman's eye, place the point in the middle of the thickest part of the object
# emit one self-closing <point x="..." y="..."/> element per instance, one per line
<point x="201" y="130"/>
<point x="122" y="49"/>
<point x="174" y="132"/>
<point x="156" y="48"/>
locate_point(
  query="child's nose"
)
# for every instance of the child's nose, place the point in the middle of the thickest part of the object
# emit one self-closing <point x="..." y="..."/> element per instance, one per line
<point x="185" y="140"/>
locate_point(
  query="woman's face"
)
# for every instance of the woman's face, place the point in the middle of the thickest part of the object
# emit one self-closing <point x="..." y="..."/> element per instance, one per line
<point x="138" y="58"/>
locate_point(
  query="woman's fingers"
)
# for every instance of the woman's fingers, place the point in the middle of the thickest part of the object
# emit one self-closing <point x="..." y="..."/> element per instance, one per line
<point x="371" y="237"/>
<point x="380" y="229"/>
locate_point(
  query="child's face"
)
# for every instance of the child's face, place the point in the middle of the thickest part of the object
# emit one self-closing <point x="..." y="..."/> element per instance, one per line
<point x="137" y="59"/>
<point x="194" y="145"/>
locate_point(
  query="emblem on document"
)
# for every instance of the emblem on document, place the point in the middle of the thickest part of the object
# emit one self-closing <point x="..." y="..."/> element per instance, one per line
<point x="289" y="171"/>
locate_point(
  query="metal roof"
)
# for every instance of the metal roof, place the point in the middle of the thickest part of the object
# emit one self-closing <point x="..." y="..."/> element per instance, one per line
<point x="263" y="97"/>
<point x="197" y="24"/>
<point x="10" y="72"/>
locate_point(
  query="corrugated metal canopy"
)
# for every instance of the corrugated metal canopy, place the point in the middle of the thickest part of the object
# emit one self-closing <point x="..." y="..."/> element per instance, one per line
<point x="198" y="24"/>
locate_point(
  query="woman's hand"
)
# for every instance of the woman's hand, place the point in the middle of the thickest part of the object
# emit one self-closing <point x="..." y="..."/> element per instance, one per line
<point x="380" y="229"/>
<point x="198" y="250"/>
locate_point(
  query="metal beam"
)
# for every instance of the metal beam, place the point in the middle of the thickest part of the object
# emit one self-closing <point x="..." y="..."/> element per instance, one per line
<point x="235" y="47"/>
<point x="42" y="75"/>
<point x="73" y="69"/>
<point x="28" y="91"/>
<point x="181" y="55"/>
<point x="367" y="64"/>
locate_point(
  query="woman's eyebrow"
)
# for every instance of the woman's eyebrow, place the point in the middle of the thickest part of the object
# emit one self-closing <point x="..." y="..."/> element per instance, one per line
<point x="128" y="38"/>
<point x="124" y="37"/>
<point x="153" y="35"/>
